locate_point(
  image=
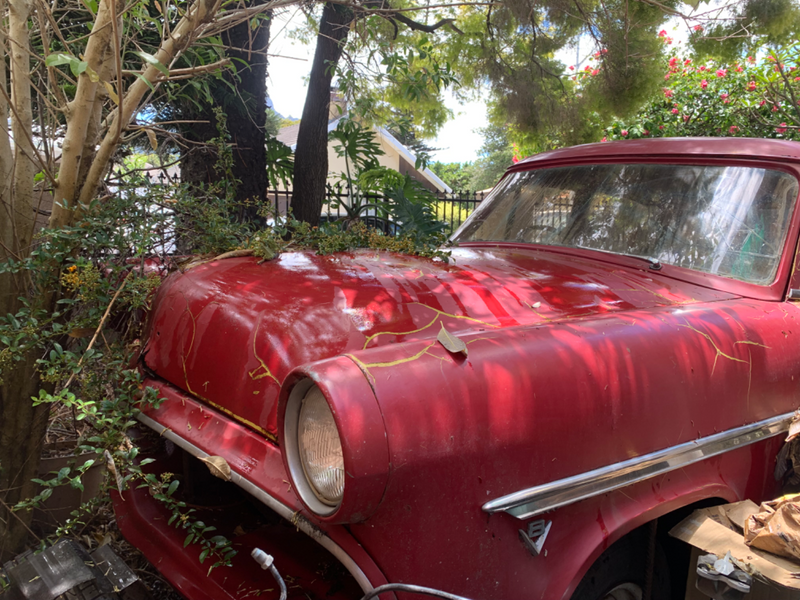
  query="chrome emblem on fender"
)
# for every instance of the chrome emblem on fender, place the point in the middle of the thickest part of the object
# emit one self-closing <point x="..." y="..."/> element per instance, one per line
<point x="534" y="538"/>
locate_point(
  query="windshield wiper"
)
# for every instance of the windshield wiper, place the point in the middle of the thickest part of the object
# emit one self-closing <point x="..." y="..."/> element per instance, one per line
<point x="655" y="264"/>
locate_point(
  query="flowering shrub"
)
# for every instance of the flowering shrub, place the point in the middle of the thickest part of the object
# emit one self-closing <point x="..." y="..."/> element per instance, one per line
<point x="750" y="98"/>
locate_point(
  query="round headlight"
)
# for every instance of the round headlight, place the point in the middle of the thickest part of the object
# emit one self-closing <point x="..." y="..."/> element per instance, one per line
<point x="320" y="448"/>
<point x="333" y="440"/>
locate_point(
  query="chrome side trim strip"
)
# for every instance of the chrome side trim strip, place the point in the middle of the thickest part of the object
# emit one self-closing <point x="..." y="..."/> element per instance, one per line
<point x="542" y="498"/>
<point x="280" y="508"/>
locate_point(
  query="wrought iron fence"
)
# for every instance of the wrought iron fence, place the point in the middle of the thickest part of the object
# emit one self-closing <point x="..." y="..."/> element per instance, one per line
<point x="451" y="208"/>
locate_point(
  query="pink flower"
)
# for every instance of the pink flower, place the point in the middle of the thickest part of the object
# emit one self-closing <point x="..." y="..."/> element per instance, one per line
<point x="704" y="84"/>
<point x="687" y="62"/>
<point x="604" y="50"/>
<point x="515" y="160"/>
<point x="595" y="72"/>
<point x="572" y="67"/>
<point x="771" y="58"/>
<point x="587" y="68"/>
<point x="596" y="55"/>
<point x="624" y="133"/>
<point x="739" y="68"/>
<point x="702" y="67"/>
<point x="751" y="86"/>
<point x="662" y="33"/>
<point x="774" y="108"/>
<point x="668" y="40"/>
<point x="722" y="72"/>
<point x="685" y="118"/>
<point x="646" y="132"/>
<point x="667" y="92"/>
<point x="661" y="127"/>
<point x="605" y="139"/>
<point x="673" y="61"/>
<point x="762" y="103"/>
<point x="666" y="77"/>
<point x="733" y="129"/>
<point x="725" y="99"/>
<point x="750" y="59"/>
<point x="698" y="28"/>
<point x="781" y="129"/>
<point x="675" y="111"/>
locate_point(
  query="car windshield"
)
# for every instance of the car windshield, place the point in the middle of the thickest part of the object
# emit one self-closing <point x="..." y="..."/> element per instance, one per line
<point x="729" y="221"/>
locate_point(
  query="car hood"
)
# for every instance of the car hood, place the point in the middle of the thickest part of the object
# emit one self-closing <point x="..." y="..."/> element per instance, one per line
<point x="229" y="331"/>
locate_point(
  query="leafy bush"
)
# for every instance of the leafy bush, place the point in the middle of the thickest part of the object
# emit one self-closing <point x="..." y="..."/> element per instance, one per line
<point x="753" y="97"/>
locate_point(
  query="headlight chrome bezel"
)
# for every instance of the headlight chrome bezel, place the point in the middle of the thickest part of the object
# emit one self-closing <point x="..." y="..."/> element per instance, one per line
<point x="305" y="489"/>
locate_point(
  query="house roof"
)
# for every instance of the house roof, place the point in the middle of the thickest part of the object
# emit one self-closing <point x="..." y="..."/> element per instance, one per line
<point x="406" y="153"/>
<point x="288" y="136"/>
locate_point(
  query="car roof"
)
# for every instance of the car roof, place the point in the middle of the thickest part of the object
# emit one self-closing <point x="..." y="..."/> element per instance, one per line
<point x="701" y="146"/>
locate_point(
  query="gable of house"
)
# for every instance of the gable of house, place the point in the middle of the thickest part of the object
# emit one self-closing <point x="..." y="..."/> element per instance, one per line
<point x="396" y="156"/>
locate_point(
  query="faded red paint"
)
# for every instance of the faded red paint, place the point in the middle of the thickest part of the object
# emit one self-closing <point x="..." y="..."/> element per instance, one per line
<point x="577" y="360"/>
<point x="269" y="318"/>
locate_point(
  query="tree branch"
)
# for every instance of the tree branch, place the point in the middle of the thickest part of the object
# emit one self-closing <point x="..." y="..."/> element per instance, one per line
<point x="421" y="27"/>
<point x="189" y="28"/>
<point x="21" y="119"/>
<point x="79" y="113"/>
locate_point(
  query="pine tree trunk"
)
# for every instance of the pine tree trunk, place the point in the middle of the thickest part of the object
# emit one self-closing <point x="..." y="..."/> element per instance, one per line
<point x="246" y="121"/>
<point x="311" y="155"/>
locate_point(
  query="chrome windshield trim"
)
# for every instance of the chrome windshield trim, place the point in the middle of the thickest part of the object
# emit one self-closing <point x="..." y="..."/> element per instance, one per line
<point x="542" y="498"/>
<point x="280" y="508"/>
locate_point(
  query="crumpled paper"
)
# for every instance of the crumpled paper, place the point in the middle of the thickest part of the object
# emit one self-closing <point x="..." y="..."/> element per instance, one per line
<point x="776" y="528"/>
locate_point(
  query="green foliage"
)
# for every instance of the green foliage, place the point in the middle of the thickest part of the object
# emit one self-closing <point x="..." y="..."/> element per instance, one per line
<point x="163" y="489"/>
<point x="358" y="147"/>
<point x="274" y="123"/>
<point x="772" y="22"/>
<point x="402" y="127"/>
<point x="411" y="207"/>
<point x="106" y="268"/>
<point x="379" y="192"/>
<point x="280" y="163"/>
<point x="457" y="175"/>
<point x="513" y="47"/>
<point x="748" y="98"/>
<point x="497" y="154"/>
<point x="402" y="72"/>
<point x="333" y="237"/>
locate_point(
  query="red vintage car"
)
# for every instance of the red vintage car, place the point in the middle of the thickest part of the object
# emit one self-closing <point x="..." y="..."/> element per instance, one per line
<point x="613" y="343"/>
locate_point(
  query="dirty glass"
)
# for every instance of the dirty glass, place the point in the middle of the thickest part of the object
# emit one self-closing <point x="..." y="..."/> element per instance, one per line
<point x="729" y="221"/>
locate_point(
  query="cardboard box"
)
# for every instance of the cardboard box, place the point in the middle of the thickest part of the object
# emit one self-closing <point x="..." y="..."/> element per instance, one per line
<point x="718" y="530"/>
